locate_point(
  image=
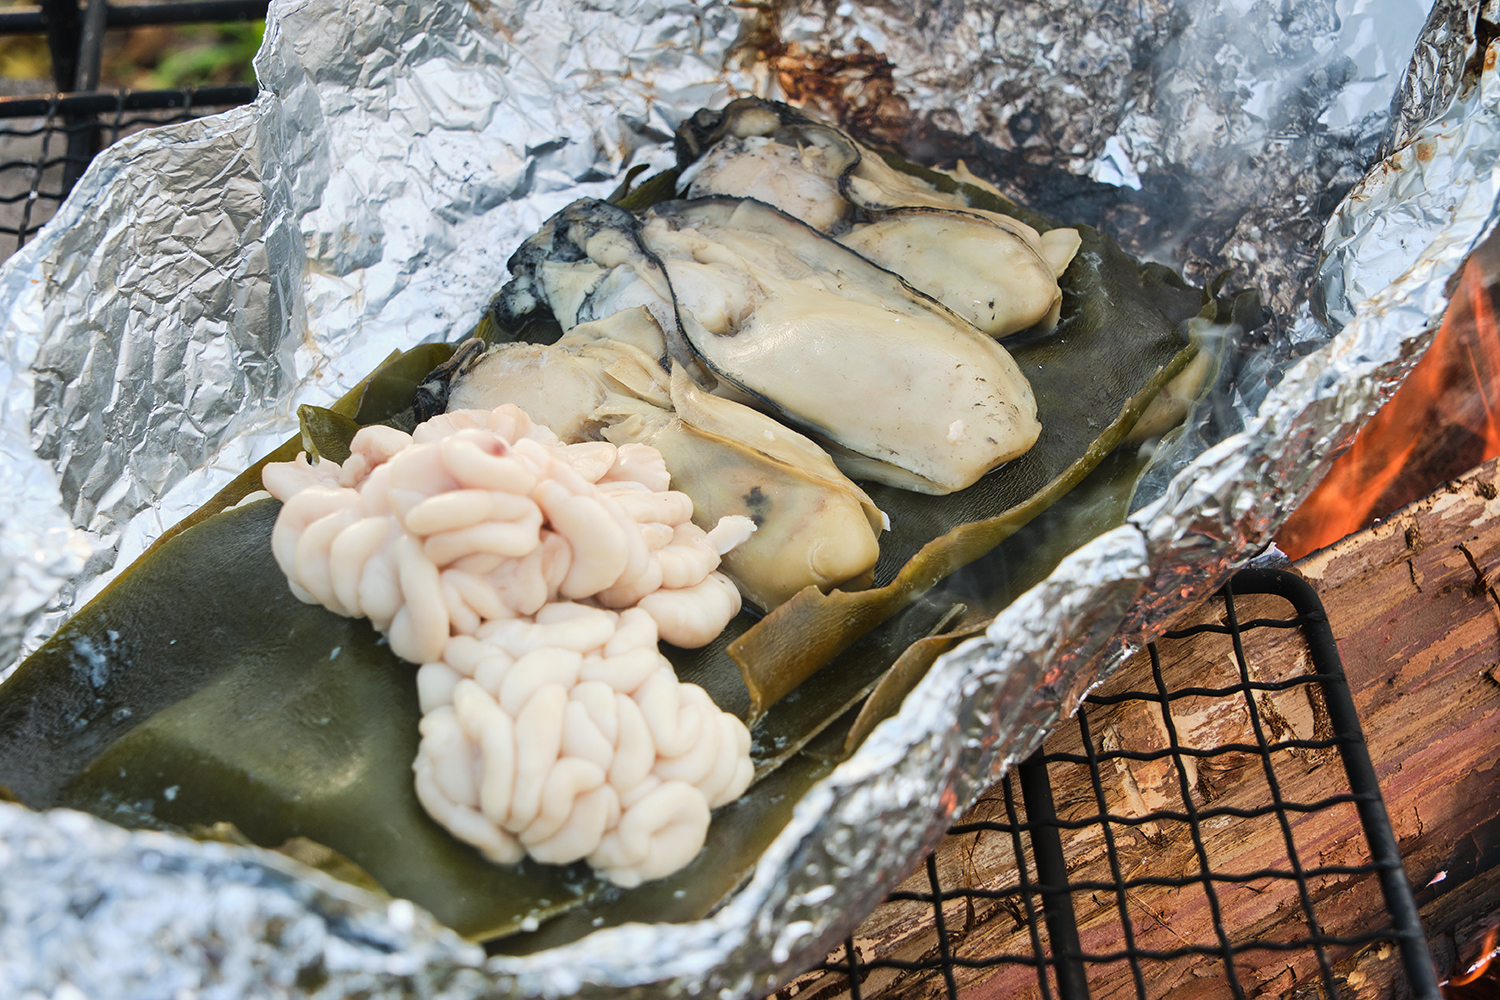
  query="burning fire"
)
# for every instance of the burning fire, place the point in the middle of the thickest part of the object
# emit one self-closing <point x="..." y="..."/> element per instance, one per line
<point x="1477" y="981"/>
<point x="1443" y="421"/>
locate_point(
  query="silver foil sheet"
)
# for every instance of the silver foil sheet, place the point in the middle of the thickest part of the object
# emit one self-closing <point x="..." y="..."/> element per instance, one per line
<point x="206" y="278"/>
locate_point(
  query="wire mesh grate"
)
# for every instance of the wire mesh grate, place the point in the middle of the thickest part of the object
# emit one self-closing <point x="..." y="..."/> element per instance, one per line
<point x="1174" y="835"/>
<point x="46" y="143"/>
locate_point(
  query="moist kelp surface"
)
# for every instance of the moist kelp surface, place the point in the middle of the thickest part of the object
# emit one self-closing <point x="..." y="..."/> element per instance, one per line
<point x="197" y="690"/>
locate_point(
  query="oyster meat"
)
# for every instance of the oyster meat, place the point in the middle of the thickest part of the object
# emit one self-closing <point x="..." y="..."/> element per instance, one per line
<point x="765" y="309"/>
<point x="814" y="527"/>
<point x="992" y="269"/>
<point x="773" y="154"/>
<point x="982" y="268"/>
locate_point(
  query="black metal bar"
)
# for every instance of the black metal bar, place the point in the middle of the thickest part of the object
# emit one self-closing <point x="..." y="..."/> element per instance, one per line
<point x="36" y="183"/>
<point x="853" y="968"/>
<point x="1216" y="751"/>
<point x="1052" y="878"/>
<point x="1154" y="881"/>
<point x="33" y="20"/>
<point x="1322" y="647"/>
<point x="1178" y="694"/>
<point x="82" y="129"/>
<point x="1018" y="850"/>
<point x="1202" y="627"/>
<point x="1268" y="770"/>
<point x="1157" y="815"/>
<point x="190" y="11"/>
<point x="64" y="27"/>
<point x="1129" y="954"/>
<point x="1122" y="901"/>
<point x="27" y="21"/>
<point x="940" y="924"/>
<point x="139" y="100"/>
<point x="91" y="44"/>
<point x="1195" y="829"/>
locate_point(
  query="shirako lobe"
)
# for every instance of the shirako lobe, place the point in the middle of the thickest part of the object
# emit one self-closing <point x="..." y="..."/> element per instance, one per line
<point x="532" y="580"/>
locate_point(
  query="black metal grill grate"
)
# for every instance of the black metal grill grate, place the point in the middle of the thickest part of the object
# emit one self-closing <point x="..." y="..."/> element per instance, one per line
<point x="46" y="143"/>
<point x="1043" y="901"/>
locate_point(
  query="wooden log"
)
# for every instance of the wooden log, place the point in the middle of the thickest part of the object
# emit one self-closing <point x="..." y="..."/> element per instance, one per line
<point x="1415" y="606"/>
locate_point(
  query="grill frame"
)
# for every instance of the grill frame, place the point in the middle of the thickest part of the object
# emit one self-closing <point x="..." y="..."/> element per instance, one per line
<point x="1045" y="893"/>
<point x="51" y="139"/>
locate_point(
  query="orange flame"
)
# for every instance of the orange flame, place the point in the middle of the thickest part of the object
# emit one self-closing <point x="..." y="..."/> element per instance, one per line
<point x="1480" y="964"/>
<point x="1478" y="982"/>
<point x="1443" y="421"/>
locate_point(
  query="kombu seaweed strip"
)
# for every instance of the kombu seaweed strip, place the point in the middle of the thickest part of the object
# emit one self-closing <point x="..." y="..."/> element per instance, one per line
<point x="196" y="689"/>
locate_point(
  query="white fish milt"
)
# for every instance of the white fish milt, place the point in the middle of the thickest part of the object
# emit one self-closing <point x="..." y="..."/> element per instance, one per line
<point x="568" y="736"/>
<point x="532" y="580"/>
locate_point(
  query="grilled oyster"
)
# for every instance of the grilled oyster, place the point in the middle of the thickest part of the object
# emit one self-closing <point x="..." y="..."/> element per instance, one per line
<point x="983" y="267"/>
<point x="765" y="309"/>
<point x="805" y="327"/>
<point x="813" y="526"/>
<point x="990" y="268"/>
<point x="772" y="153"/>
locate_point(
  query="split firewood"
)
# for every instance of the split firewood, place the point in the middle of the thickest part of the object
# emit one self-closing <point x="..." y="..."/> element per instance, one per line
<point x="1415" y="606"/>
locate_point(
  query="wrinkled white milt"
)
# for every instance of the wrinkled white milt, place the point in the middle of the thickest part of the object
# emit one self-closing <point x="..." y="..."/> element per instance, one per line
<point x="474" y="540"/>
<point x="567" y="737"/>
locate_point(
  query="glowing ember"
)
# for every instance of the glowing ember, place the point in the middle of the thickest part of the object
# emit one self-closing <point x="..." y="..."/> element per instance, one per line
<point x="1443" y="421"/>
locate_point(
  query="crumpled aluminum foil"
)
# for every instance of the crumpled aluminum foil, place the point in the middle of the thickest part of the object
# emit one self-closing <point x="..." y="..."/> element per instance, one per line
<point x="204" y="279"/>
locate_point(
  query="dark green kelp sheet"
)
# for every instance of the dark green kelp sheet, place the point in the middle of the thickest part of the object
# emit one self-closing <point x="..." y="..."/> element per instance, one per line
<point x="197" y="690"/>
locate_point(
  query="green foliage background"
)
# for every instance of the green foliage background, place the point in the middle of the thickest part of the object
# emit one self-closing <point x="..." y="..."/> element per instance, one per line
<point x="150" y="58"/>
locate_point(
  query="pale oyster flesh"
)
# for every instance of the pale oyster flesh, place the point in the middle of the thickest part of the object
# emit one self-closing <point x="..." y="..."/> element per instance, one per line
<point x="761" y="307"/>
<point x="813" y="526"/>
<point x="970" y="264"/>
<point x="816" y="173"/>
<point x="586" y="263"/>
<point x="772" y="154"/>
<point x="838" y="347"/>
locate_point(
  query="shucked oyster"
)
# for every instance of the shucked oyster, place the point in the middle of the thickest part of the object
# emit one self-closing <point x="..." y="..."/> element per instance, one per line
<point x="982" y="269"/>
<point x="772" y="153"/>
<point x="813" y="526"/>
<point x="762" y="307"/>
<point x="994" y="270"/>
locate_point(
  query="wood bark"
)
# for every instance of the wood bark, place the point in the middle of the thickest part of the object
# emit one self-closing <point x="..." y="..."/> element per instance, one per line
<point x="1415" y="606"/>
